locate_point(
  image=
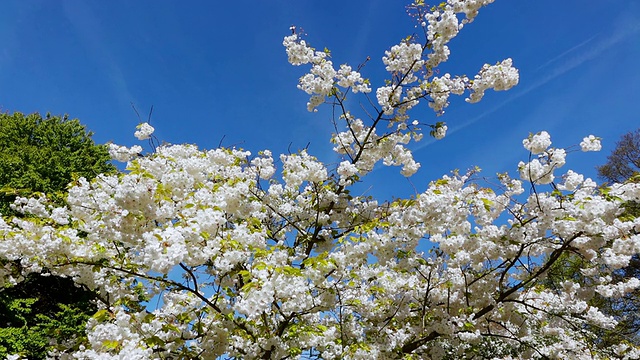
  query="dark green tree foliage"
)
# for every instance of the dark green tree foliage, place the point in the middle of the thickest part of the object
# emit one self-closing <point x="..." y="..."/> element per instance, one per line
<point x="39" y="309"/>
<point x="43" y="155"/>
<point x="626" y="310"/>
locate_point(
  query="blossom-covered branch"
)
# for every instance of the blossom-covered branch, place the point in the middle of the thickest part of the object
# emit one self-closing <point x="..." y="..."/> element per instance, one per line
<point x="212" y="253"/>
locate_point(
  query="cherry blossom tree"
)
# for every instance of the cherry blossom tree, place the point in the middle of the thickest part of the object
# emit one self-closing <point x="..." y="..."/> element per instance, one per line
<point x="223" y="254"/>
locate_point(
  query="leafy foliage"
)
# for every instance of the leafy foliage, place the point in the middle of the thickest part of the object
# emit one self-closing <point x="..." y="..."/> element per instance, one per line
<point x="40" y="309"/>
<point x="43" y="155"/>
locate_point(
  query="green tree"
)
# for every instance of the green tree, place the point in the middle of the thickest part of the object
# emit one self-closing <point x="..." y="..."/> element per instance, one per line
<point x="43" y="155"/>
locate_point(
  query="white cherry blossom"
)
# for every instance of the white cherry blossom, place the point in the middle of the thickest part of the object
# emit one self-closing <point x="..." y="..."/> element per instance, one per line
<point x="219" y="253"/>
<point x="144" y="131"/>
<point x="590" y="143"/>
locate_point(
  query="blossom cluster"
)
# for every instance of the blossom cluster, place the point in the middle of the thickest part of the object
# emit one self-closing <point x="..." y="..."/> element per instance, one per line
<point x="144" y="131"/>
<point x="442" y="25"/>
<point x="233" y="260"/>
<point x="442" y="87"/>
<point x="223" y="253"/>
<point x="541" y="169"/>
<point x="123" y="153"/>
<point x="590" y="143"/>
<point x="411" y="64"/>
<point x="322" y="80"/>
<point x="502" y="76"/>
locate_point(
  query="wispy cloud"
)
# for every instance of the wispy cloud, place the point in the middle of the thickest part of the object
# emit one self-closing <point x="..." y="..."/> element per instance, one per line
<point x="566" y="53"/>
<point x="562" y="63"/>
<point x="92" y="34"/>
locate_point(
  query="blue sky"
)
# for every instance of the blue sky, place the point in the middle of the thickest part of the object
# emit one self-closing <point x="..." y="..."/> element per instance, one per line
<point x="216" y="72"/>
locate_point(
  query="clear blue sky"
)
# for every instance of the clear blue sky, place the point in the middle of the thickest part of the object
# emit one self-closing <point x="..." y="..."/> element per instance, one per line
<point x="215" y="70"/>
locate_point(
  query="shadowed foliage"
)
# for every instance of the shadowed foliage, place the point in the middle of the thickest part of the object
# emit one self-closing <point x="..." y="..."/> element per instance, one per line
<point x="622" y="166"/>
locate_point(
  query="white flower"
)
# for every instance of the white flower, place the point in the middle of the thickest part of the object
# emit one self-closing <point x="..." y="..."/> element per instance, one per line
<point x="537" y="143"/>
<point x="388" y="97"/>
<point x="571" y="181"/>
<point x="557" y="158"/>
<point x="591" y="143"/>
<point x="535" y="171"/>
<point x="499" y="77"/>
<point x="403" y="58"/>
<point x="297" y="50"/>
<point x="440" y="132"/>
<point x="349" y="78"/>
<point x="144" y="131"/>
<point x="123" y="153"/>
<point x="347" y="169"/>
